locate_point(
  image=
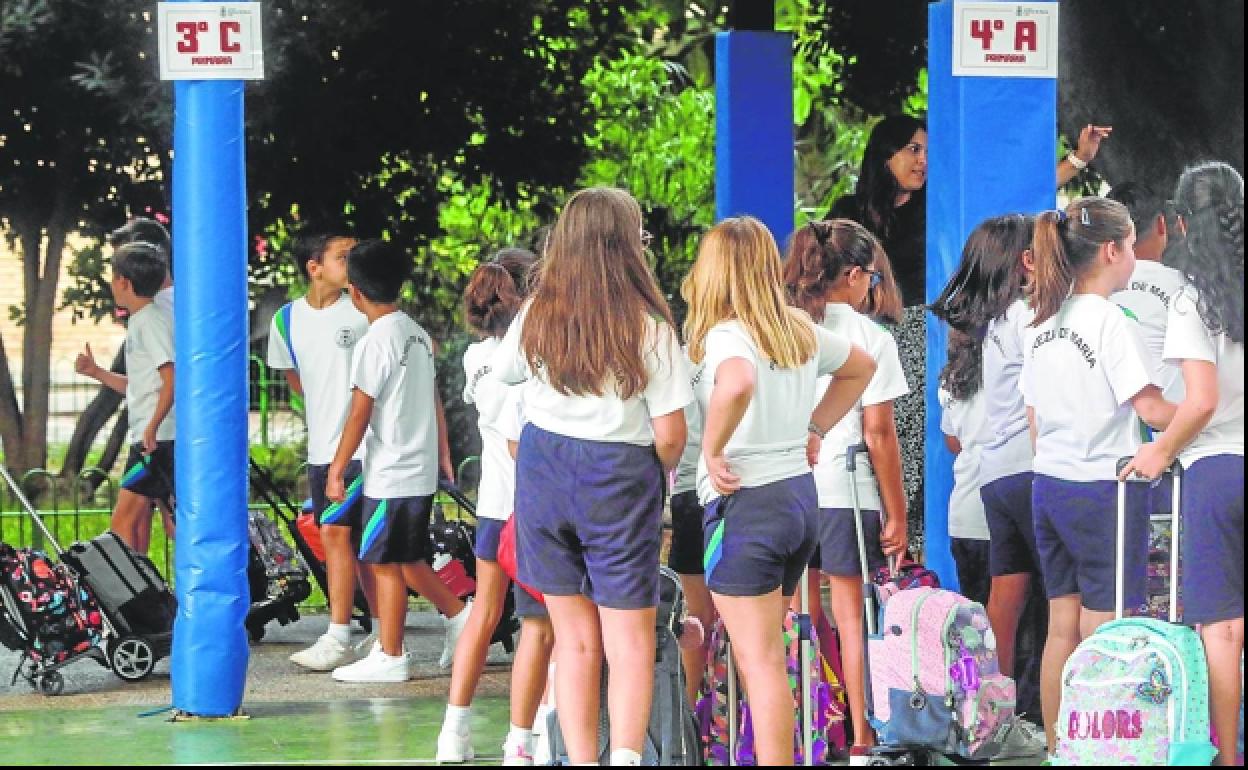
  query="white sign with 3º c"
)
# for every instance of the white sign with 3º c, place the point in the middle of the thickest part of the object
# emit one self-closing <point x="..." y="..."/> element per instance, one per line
<point x="1012" y="40"/>
<point x="210" y="41"/>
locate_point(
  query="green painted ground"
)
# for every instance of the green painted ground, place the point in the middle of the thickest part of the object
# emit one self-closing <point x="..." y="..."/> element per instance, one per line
<point x="390" y="731"/>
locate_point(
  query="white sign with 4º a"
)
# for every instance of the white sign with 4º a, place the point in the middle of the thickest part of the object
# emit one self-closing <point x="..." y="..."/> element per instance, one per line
<point x="1017" y="40"/>
<point x="210" y="41"/>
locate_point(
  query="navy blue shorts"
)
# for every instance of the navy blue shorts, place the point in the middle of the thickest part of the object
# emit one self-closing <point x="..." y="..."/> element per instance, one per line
<point x="971" y="557"/>
<point x="150" y="479"/>
<point x="837" y="549"/>
<point x="590" y="518"/>
<point x="396" y="530"/>
<point x="1076" y="535"/>
<point x="685" y="555"/>
<point x="526" y="605"/>
<point x="488" y="531"/>
<point x="346" y="513"/>
<point x="1213" y="539"/>
<point x="1012" y="531"/>
<point x="759" y="539"/>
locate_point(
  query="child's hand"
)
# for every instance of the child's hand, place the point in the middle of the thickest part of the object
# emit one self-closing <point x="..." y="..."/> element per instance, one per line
<point x="1090" y="141"/>
<point x="1149" y="463"/>
<point x="335" y="491"/>
<point x="893" y="538"/>
<point x="722" y="478"/>
<point x="149" y="438"/>
<point x="447" y="467"/>
<point x="813" y="445"/>
<point x="85" y="363"/>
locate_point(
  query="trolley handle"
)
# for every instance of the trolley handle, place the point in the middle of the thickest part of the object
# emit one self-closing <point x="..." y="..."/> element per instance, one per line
<point x="1176" y="471"/>
<point x="30" y="509"/>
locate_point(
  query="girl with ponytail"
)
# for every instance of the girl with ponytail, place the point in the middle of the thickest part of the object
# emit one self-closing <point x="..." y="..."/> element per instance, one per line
<point x="1205" y="336"/>
<point x="1087" y="382"/>
<point x="492" y="299"/>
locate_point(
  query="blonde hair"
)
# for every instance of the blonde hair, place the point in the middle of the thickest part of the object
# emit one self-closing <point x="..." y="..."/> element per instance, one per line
<point x="595" y="299"/>
<point x="737" y="275"/>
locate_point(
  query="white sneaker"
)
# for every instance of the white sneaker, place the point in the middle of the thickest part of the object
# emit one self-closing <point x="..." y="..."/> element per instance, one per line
<point x="454" y="627"/>
<point x="377" y="667"/>
<point x="364" y="647"/>
<point x="326" y="655"/>
<point x="454" y="746"/>
<point x="515" y="755"/>
<point x="541" y="742"/>
<point x="1024" y="740"/>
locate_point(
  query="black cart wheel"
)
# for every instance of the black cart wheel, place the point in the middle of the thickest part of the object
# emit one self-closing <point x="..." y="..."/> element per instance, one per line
<point x="52" y="683"/>
<point x="132" y="658"/>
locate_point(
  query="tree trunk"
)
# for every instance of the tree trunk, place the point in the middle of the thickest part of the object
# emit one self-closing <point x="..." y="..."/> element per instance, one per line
<point x="92" y="421"/>
<point x="10" y="416"/>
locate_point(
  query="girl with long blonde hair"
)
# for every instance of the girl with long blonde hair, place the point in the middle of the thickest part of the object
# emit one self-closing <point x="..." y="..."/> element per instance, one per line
<point x="756" y="364"/>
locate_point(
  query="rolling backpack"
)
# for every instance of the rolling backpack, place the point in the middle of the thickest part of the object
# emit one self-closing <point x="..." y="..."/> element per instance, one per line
<point x="1136" y="692"/>
<point x="724" y="720"/>
<point x="47" y="614"/>
<point x="672" y="737"/>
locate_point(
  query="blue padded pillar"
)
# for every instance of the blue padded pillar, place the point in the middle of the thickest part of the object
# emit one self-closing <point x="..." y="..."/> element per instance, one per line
<point x="992" y="149"/>
<point x="754" y="128"/>
<point x="210" y="256"/>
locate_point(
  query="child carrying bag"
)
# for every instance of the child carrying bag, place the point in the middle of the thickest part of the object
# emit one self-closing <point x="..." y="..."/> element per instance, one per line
<point x="1136" y="692"/>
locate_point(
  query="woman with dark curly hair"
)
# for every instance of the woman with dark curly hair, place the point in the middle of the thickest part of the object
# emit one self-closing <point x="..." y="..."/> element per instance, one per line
<point x="1205" y="334"/>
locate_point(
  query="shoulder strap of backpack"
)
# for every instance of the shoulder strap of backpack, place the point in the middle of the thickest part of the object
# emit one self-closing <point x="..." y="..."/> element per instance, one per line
<point x="283" y="329"/>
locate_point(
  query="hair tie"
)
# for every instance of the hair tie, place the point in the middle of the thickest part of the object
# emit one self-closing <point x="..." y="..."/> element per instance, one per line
<point x="1085" y="218"/>
<point x="1061" y="216"/>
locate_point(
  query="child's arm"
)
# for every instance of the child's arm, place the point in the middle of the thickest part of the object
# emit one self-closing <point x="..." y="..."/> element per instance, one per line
<point x="164" y="402"/>
<point x="670" y="433"/>
<point x="353" y="430"/>
<point x="85" y="365"/>
<point x="847" y="386"/>
<point x="952" y="444"/>
<point x="1153" y="408"/>
<point x="1200" y="379"/>
<point x="730" y="397"/>
<point x="1031" y="426"/>
<point x="880" y="433"/>
<point x="444" y="442"/>
<point x="292" y="379"/>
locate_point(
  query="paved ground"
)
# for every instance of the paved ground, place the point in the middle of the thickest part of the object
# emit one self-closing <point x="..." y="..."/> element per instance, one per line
<point x="270" y="677"/>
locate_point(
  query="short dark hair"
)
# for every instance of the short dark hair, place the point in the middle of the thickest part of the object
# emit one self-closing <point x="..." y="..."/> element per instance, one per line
<point x="143" y="265"/>
<point x="378" y="269"/>
<point x="142" y="229"/>
<point x="1144" y="204"/>
<point x="312" y="246"/>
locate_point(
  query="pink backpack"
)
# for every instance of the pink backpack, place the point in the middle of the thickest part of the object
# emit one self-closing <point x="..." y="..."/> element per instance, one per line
<point x="933" y="676"/>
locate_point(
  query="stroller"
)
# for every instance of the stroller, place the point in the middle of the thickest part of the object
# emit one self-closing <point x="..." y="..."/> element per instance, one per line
<point x="104" y="600"/>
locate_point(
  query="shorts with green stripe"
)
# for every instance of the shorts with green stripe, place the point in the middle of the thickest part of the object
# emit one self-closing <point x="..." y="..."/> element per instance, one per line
<point x="346" y="513"/>
<point x="150" y="476"/>
<point x="396" y="530"/>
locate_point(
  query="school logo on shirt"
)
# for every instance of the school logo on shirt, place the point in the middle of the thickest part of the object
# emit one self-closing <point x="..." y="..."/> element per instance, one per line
<point x="1152" y="290"/>
<point x="345" y="337"/>
<point x="407" y="347"/>
<point x="1070" y="335"/>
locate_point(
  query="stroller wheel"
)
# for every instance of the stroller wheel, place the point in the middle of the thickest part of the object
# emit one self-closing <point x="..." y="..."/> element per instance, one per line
<point x="132" y="658"/>
<point x="52" y="683"/>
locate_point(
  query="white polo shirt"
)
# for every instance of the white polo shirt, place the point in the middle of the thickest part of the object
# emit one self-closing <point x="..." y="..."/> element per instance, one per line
<point x="318" y="344"/>
<point x="498" y="420"/>
<point x="687" y="469"/>
<point x="888" y="383"/>
<point x="393" y="364"/>
<point x="1148" y="297"/>
<point x="607" y="417"/>
<point x="1188" y="338"/>
<point x="1004" y="438"/>
<point x="964" y="421"/>
<point x="149" y="346"/>
<point x="769" y="444"/>
<point x="1081" y="368"/>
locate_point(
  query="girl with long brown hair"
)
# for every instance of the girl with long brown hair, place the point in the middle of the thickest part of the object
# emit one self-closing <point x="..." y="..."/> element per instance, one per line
<point x="757" y="363"/>
<point x="604" y="399"/>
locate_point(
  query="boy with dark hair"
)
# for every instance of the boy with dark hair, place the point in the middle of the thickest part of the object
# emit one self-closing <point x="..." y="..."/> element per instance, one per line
<point x="395" y="401"/>
<point x="138" y="271"/>
<point x="311" y="340"/>
<point x="146" y="230"/>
